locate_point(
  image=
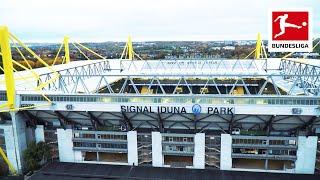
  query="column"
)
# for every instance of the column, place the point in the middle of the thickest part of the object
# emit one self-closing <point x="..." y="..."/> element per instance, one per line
<point x="225" y="153"/>
<point x="78" y="156"/>
<point x="306" y="154"/>
<point x="39" y="133"/>
<point x="132" y="140"/>
<point x="157" y="157"/>
<point x="10" y="145"/>
<point x="199" y="151"/>
<point x="65" y="145"/>
<point x="19" y="137"/>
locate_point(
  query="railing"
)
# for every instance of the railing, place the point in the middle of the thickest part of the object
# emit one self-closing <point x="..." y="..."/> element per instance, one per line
<point x="264" y="146"/>
<point x="308" y="75"/>
<point x="186" y="99"/>
<point x="263" y="156"/>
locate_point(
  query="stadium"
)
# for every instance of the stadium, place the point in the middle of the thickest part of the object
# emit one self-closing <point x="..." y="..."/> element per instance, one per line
<point x="259" y="114"/>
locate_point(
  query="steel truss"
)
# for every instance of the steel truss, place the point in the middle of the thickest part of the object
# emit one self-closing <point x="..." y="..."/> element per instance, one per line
<point x="292" y="78"/>
<point x="185" y="122"/>
<point x="155" y="81"/>
<point x="304" y="75"/>
<point x="195" y="65"/>
<point x="74" y="73"/>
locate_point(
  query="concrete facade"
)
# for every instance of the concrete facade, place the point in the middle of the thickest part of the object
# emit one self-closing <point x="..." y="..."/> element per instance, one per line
<point x="199" y="151"/>
<point x="157" y="157"/>
<point x="19" y="137"/>
<point x="225" y="154"/>
<point x="306" y="154"/>
<point x="132" y="148"/>
<point x="39" y="133"/>
<point x="65" y="145"/>
<point x="10" y="144"/>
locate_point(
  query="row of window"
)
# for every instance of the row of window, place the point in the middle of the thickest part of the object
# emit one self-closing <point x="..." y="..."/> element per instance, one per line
<point x="261" y="141"/>
<point x="100" y="136"/>
<point x="265" y="152"/>
<point x="203" y="100"/>
<point x="99" y="145"/>
<point x="178" y="148"/>
<point x="177" y="139"/>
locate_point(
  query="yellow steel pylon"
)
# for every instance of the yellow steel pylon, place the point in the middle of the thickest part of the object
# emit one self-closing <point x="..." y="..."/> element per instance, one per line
<point x="258" y="47"/>
<point x="66" y="49"/>
<point x="11" y="168"/>
<point x="130" y="48"/>
<point x="7" y="66"/>
<point x="9" y="78"/>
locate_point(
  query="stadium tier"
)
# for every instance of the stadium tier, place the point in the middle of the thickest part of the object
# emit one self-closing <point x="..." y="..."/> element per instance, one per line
<point x="228" y="114"/>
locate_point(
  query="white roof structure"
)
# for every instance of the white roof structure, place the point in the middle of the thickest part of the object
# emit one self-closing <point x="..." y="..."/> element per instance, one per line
<point x="90" y="75"/>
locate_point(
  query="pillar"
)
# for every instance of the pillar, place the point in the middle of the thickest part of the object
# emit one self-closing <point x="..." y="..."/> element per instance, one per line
<point x="39" y="133"/>
<point x="225" y="153"/>
<point x="157" y="157"/>
<point x="19" y="137"/>
<point x="199" y="151"/>
<point x="65" y="145"/>
<point x="132" y="140"/>
<point x="10" y="144"/>
<point x="306" y="154"/>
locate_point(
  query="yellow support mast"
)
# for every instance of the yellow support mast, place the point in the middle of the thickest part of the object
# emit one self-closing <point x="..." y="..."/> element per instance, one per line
<point x="9" y="78"/>
<point x="11" y="168"/>
<point x="66" y="49"/>
<point x="7" y="66"/>
<point x="258" y="47"/>
<point x="130" y="48"/>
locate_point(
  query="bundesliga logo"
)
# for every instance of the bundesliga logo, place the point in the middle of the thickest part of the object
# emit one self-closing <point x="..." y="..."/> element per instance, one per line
<point x="290" y="31"/>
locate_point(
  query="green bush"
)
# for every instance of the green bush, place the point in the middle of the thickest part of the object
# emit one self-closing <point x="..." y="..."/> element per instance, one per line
<point x="36" y="155"/>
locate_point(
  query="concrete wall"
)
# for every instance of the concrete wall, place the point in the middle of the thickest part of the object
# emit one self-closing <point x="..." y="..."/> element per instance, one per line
<point x="19" y="137"/>
<point x="259" y="109"/>
<point x="199" y="151"/>
<point x="30" y="134"/>
<point x="157" y="157"/>
<point x="39" y="133"/>
<point x="78" y="156"/>
<point x="65" y="145"/>
<point x="306" y="154"/>
<point x="10" y="144"/>
<point x="225" y="154"/>
<point x="132" y="148"/>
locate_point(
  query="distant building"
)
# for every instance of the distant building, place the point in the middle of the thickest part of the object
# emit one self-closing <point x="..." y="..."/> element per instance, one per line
<point x="229" y="47"/>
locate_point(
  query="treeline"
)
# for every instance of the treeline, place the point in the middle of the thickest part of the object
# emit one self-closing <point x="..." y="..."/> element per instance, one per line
<point x="32" y="63"/>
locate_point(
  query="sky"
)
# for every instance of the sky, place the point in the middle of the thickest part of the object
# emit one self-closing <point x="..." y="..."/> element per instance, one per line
<point x="144" y="20"/>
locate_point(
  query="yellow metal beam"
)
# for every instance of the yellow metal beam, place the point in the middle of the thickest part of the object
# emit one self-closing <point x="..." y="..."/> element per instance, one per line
<point x="66" y="49"/>
<point x="258" y="47"/>
<point x="7" y="66"/>
<point x="86" y="48"/>
<point x="130" y="48"/>
<point x="55" y="59"/>
<point x="80" y="51"/>
<point x="4" y="157"/>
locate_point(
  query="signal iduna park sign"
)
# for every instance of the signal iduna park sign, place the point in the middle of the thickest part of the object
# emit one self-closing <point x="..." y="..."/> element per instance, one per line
<point x="290" y="30"/>
<point x="195" y="109"/>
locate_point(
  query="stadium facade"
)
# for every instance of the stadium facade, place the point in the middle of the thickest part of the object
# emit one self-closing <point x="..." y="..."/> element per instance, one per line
<point x="228" y="114"/>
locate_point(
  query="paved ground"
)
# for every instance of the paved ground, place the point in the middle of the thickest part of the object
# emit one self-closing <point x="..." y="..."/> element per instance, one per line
<point x="80" y="171"/>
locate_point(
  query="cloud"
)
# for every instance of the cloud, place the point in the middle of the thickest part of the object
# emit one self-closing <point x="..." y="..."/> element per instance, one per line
<point x="97" y="20"/>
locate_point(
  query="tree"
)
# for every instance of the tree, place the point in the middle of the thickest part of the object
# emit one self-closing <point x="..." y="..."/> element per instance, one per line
<point x="36" y="155"/>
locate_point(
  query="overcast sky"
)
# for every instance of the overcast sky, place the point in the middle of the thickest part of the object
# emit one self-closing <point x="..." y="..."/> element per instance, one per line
<point x="145" y="20"/>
